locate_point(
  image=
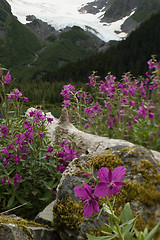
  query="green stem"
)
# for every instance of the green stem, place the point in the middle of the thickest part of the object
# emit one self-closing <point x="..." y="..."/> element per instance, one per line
<point x="116" y="224"/>
<point x="6" y="106"/>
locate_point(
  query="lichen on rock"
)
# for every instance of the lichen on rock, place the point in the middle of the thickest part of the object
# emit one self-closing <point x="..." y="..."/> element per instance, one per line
<point x="142" y="188"/>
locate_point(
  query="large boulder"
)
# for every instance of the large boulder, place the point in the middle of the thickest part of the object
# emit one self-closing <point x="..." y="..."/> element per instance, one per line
<point x="88" y="143"/>
<point x="142" y="179"/>
<point x="142" y="190"/>
<point x="15" y="228"/>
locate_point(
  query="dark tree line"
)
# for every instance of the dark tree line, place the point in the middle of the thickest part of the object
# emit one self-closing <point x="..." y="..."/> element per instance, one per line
<point x="130" y="55"/>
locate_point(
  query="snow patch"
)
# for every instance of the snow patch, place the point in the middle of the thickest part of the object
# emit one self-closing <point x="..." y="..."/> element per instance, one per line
<point x="60" y="14"/>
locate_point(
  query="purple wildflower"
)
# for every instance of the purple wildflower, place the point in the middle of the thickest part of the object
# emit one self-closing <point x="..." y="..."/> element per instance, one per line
<point x="25" y="99"/>
<point x="17" y="159"/>
<point x="142" y="111"/>
<point x="41" y="133"/>
<point x="50" y="149"/>
<point x="7" y="78"/>
<point x="110" y="181"/>
<point x="14" y="95"/>
<point x="16" y="180"/>
<point x="90" y="201"/>
<point x="3" y="131"/>
<point x="151" y="115"/>
<point x="50" y="120"/>
<point x="61" y="168"/>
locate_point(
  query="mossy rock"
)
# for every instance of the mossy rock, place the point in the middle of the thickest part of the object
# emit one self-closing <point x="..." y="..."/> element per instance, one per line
<point x="16" y="228"/>
<point x="142" y="190"/>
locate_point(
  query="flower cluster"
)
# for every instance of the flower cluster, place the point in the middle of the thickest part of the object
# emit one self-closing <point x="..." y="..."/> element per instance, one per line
<point x="16" y="95"/>
<point x="109" y="184"/>
<point x="66" y="153"/>
<point x="118" y="109"/>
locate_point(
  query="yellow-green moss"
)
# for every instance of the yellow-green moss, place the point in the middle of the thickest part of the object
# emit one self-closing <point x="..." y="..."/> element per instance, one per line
<point x="126" y="149"/>
<point x="106" y="160"/>
<point x="22" y="223"/>
<point x="68" y="212"/>
<point x="144" y="191"/>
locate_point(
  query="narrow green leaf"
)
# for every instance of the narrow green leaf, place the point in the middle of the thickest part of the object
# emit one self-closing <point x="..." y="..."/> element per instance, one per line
<point x="126" y="213"/>
<point x="10" y="202"/>
<point x="106" y="228"/>
<point x="90" y="237"/>
<point x="152" y="232"/>
<point x="128" y="223"/>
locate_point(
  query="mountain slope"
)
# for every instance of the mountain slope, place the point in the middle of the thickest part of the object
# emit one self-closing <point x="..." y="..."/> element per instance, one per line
<point x="29" y="57"/>
<point x="131" y="55"/>
<point x="17" y="43"/>
<point x="114" y="10"/>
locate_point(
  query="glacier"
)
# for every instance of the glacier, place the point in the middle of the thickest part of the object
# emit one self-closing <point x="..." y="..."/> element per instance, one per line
<point x="60" y="14"/>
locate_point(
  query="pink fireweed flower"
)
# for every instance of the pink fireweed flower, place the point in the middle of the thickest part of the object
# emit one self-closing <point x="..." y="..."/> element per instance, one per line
<point x="125" y="100"/>
<point x="16" y="180"/>
<point x="86" y="126"/>
<point x="142" y="111"/>
<point x="96" y="107"/>
<point x="87" y="110"/>
<point x="27" y="124"/>
<point x="14" y="95"/>
<point x="25" y="99"/>
<point x="151" y="115"/>
<point x="50" y="120"/>
<point x="92" y="82"/>
<point x="61" y="168"/>
<point x="90" y="201"/>
<point x="66" y="103"/>
<point x="107" y="105"/>
<point x="68" y="89"/>
<point x="110" y="181"/>
<point x="41" y="133"/>
<point x="5" y="180"/>
<point x="81" y="94"/>
<point x="135" y="120"/>
<point x="132" y="103"/>
<point x="50" y="149"/>
<point x="7" y="78"/>
<point x="37" y="115"/>
<point x="17" y="159"/>
<point x="151" y="64"/>
<point x="3" y="131"/>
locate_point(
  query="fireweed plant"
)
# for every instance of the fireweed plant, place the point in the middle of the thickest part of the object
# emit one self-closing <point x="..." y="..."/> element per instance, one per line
<point x="126" y="109"/>
<point x="30" y="165"/>
<point x="107" y="184"/>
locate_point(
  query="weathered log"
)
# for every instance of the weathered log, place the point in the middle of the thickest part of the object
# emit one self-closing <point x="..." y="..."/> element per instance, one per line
<point x="90" y="143"/>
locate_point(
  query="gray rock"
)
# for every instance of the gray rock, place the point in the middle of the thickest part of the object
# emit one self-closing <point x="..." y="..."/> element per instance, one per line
<point x="141" y="168"/>
<point x="46" y="216"/>
<point x="12" y="230"/>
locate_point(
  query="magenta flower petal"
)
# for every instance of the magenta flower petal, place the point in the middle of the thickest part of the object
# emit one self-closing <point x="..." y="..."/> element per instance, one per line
<point x="110" y="181"/>
<point x="89" y="201"/>
<point x="118" y="174"/>
<point x="103" y="174"/>
<point x="88" y="209"/>
<point x="101" y="190"/>
<point x="116" y="190"/>
<point x="81" y="192"/>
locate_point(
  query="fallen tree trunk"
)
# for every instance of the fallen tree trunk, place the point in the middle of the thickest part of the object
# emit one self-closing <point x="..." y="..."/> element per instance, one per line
<point x="90" y="143"/>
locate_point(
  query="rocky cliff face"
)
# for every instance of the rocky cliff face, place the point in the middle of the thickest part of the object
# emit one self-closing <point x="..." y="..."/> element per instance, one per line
<point x="114" y="10"/>
<point x="46" y="33"/>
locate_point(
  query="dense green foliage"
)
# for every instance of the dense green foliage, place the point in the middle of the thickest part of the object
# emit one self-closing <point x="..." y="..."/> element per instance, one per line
<point x="64" y="50"/>
<point x="20" y="45"/>
<point x="145" y="10"/>
<point x="31" y="58"/>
